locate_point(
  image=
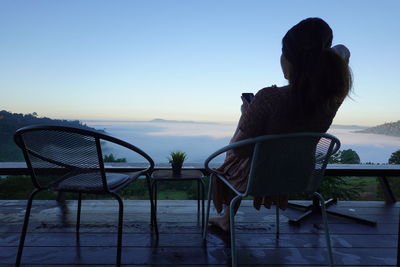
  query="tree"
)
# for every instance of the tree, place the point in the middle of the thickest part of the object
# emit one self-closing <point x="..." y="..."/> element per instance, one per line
<point x="342" y="187"/>
<point x="349" y="156"/>
<point x="395" y="157"/>
<point x="111" y="158"/>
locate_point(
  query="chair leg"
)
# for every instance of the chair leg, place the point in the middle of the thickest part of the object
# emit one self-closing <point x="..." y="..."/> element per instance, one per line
<point x="154" y="194"/>
<point x="153" y="214"/>
<point x="277" y="221"/>
<point x="120" y="225"/>
<point x="205" y="224"/>
<point x="78" y="214"/>
<point x="327" y="236"/>
<point x="202" y="203"/>
<point x="25" y="227"/>
<point x="198" y="200"/>
<point x="232" y="229"/>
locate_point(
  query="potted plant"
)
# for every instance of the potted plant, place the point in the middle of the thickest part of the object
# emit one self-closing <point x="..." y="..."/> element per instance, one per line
<point x="176" y="159"/>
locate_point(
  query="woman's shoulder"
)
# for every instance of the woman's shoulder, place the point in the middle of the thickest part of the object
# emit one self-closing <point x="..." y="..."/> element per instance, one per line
<point x="273" y="89"/>
<point x="272" y="92"/>
<point x="267" y="100"/>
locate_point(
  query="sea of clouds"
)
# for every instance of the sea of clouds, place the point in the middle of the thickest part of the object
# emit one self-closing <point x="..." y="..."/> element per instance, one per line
<point x="199" y="139"/>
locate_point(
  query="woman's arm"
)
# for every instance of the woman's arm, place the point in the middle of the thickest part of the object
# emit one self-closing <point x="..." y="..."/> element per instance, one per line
<point x="254" y="119"/>
<point x="238" y="135"/>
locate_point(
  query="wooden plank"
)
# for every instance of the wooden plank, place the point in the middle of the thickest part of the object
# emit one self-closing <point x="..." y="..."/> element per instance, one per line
<point x="102" y="207"/>
<point x="11" y="214"/>
<point x="180" y="237"/>
<point x="185" y="265"/>
<point x="195" y="240"/>
<point x="213" y="255"/>
<point x="95" y="213"/>
<point x="129" y="204"/>
<point x="99" y="220"/>
<point x="175" y="228"/>
<point x="359" y="204"/>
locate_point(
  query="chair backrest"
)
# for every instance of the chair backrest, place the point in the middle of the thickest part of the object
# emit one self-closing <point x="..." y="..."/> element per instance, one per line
<point x="289" y="163"/>
<point x="64" y="149"/>
<point x="51" y="152"/>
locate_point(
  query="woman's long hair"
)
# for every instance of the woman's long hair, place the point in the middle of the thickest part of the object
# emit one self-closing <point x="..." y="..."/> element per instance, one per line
<point x="319" y="77"/>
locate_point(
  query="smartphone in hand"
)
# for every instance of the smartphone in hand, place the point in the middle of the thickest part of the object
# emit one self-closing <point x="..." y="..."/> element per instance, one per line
<point x="248" y="97"/>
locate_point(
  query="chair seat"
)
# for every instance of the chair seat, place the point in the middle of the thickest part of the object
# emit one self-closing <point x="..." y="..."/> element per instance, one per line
<point x="92" y="182"/>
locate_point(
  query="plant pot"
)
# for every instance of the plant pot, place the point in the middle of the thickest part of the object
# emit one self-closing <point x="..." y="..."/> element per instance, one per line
<point x="176" y="169"/>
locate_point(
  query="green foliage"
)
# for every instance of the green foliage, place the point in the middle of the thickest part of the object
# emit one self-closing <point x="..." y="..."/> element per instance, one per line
<point x="177" y="158"/>
<point x="172" y="195"/>
<point x="395" y="157"/>
<point x="344" y="188"/>
<point x="394" y="182"/>
<point x="111" y="158"/>
<point x="177" y="190"/>
<point x="10" y="122"/>
<point x="347" y="156"/>
<point x="339" y="187"/>
<point x="135" y="190"/>
<point x="19" y="187"/>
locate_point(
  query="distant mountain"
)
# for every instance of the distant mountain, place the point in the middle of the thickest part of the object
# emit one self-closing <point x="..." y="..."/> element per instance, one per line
<point x="391" y="128"/>
<point x="176" y="121"/>
<point x="10" y="122"/>
<point x="348" y="127"/>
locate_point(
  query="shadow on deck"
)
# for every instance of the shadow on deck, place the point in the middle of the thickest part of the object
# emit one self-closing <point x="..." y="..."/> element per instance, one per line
<point x="50" y="243"/>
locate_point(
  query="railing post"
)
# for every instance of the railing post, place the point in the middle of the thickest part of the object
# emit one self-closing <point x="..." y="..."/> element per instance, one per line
<point x="390" y="198"/>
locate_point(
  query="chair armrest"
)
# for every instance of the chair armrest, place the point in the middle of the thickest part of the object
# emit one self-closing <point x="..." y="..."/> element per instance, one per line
<point x="130" y="147"/>
<point x="225" y="149"/>
<point x="266" y="137"/>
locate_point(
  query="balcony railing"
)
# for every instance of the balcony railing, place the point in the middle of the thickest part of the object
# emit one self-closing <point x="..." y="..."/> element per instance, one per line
<point x="382" y="172"/>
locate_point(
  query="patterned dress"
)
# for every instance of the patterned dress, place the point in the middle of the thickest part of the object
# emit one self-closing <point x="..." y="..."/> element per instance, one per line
<point x="270" y="112"/>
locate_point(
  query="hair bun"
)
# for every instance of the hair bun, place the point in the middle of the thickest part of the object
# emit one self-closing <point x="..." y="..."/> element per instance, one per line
<point x="342" y="51"/>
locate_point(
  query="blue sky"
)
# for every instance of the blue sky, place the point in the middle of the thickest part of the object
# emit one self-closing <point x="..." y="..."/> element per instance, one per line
<point x="182" y="60"/>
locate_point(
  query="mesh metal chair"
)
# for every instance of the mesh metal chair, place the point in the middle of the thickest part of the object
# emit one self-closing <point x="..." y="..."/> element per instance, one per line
<point x="281" y="164"/>
<point x="66" y="159"/>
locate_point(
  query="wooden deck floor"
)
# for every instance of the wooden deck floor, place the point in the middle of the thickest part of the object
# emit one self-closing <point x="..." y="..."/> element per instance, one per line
<point x="50" y="243"/>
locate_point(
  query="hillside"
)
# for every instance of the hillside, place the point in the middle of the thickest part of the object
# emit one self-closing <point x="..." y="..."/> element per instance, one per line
<point x="10" y="122"/>
<point x="391" y="128"/>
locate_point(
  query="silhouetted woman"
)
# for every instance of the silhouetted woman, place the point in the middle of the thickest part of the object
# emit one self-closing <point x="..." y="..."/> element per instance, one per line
<point x="319" y="80"/>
